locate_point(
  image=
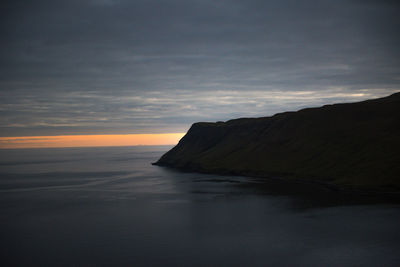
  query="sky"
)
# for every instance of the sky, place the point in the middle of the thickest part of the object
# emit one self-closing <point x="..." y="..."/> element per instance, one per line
<point x="89" y="140"/>
<point x="104" y="67"/>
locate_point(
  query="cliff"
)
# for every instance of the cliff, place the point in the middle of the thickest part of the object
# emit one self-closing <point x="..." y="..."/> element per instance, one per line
<point x="353" y="145"/>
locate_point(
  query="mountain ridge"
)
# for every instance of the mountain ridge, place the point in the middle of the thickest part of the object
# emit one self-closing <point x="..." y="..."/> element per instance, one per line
<point x="353" y="145"/>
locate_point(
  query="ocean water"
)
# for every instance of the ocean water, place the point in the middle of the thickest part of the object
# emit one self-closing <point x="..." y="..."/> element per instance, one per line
<point x="111" y="207"/>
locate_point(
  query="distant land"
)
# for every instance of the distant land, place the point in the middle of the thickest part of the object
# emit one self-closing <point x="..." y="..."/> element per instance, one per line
<point x="352" y="145"/>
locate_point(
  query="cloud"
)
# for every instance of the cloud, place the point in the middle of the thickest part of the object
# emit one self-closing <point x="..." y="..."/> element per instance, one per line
<point x="98" y="66"/>
<point x="154" y="111"/>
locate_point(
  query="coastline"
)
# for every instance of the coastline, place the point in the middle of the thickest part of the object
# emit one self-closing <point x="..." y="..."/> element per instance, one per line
<point x="352" y="190"/>
<point x="352" y="147"/>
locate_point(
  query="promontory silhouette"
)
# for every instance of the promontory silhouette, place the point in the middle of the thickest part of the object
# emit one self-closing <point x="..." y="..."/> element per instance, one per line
<point x="355" y="145"/>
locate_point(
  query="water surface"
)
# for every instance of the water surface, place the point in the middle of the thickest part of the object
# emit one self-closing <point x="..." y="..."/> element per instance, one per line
<point x="110" y="206"/>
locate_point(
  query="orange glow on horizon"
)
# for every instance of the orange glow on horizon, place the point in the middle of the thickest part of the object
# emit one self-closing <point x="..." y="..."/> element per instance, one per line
<point x="90" y="140"/>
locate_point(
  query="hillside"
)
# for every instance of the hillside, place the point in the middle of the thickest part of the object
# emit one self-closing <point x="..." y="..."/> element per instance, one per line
<point x="353" y="145"/>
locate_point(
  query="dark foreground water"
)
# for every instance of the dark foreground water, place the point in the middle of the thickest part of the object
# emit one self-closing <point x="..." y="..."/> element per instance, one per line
<point x="109" y="206"/>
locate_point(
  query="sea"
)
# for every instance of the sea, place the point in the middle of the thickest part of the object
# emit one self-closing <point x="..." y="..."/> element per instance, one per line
<point x="108" y="206"/>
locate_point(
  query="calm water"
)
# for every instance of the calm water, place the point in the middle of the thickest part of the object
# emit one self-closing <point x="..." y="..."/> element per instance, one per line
<point x="109" y="206"/>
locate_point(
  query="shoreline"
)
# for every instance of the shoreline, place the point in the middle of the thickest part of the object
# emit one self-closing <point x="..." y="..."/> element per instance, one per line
<point x="293" y="180"/>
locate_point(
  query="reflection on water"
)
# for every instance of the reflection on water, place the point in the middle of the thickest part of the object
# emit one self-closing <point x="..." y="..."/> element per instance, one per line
<point x="110" y="206"/>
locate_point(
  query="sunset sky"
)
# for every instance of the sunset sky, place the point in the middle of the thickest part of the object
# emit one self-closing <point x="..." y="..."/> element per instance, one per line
<point x="118" y="67"/>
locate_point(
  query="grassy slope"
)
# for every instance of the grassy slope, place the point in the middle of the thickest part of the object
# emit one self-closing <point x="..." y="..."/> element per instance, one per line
<point x="354" y="144"/>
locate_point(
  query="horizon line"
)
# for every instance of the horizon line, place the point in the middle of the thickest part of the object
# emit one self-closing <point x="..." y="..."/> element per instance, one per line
<point x="90" y="140"/>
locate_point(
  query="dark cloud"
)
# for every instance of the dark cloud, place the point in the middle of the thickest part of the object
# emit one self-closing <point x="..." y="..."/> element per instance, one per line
<point x="150" y="66"/>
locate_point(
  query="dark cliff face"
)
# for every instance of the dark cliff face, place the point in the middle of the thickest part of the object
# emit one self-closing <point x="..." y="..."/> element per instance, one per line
<point x="356" y="144"/>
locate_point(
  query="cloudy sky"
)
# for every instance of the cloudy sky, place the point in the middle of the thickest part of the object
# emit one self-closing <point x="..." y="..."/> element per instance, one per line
<point x="119" y="66"/>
